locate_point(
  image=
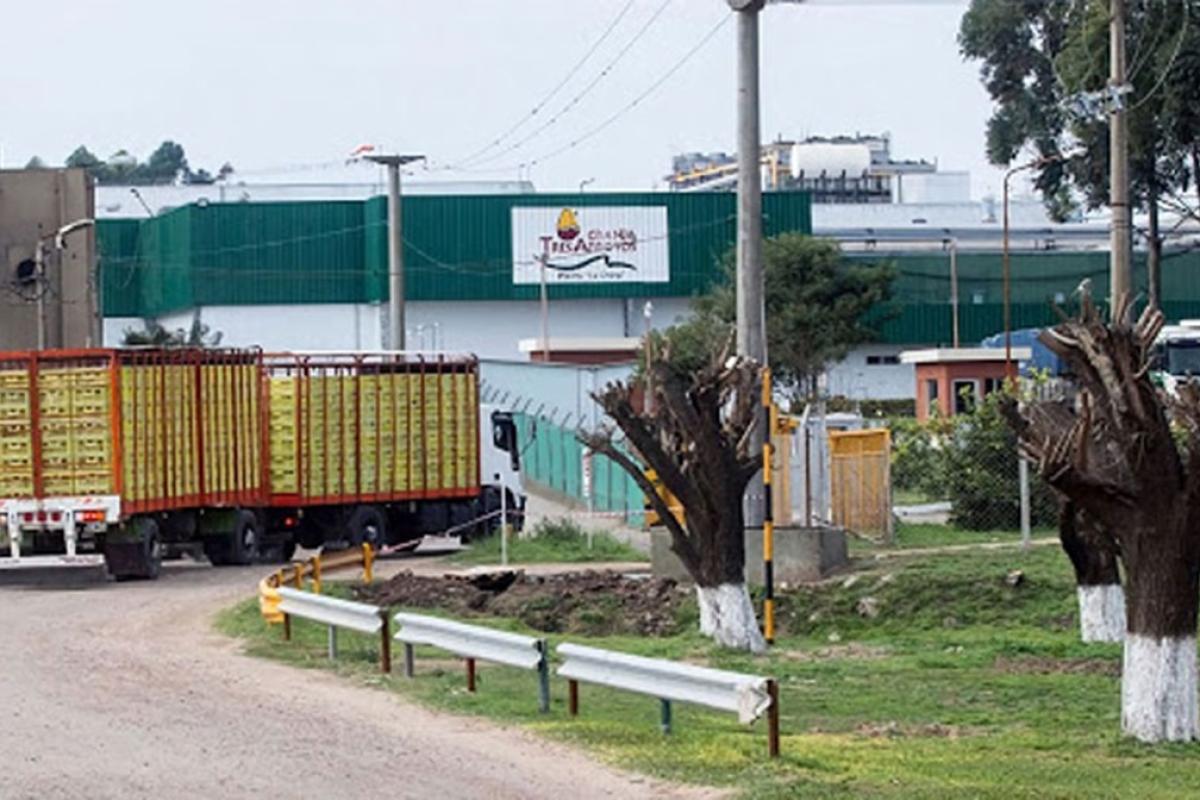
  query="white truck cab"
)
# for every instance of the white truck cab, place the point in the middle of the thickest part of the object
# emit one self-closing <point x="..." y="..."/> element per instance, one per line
<point x="500" y="464"/>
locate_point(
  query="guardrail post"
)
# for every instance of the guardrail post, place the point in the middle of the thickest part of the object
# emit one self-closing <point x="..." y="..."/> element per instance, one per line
<point x="573" y="698"/>
<point x="665" y="716"/>
<point x="332" y="642"/>
<point x="385" y="643"/>
<point x="287" y="627"/>
<point x="543" y="677"/>
<point x="368" y="563"/>
<point x="773" y="719"/>
<point x="471" y="675"/>
<point x="408" y="660"/>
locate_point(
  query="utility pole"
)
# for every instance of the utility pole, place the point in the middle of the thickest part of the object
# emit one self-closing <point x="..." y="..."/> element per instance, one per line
<point x="751" y="330"/>
<point x="396" y="337"/>
<point x="751" y="334"/>
<point x="1120" y="282"/>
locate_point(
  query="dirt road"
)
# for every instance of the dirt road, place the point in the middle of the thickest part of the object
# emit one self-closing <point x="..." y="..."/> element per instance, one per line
<point x="125" y="691"/>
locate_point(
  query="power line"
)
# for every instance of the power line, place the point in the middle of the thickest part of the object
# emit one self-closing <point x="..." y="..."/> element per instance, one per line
<point x="574" y="101"/>
<point x="553" y="92"/>
<point x="620" y="113"/>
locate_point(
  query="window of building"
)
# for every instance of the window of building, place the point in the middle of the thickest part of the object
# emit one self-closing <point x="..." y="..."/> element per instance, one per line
<point x="965" y="396"/>
<point x="876" y="361"/>
<point x="992" y="385"/>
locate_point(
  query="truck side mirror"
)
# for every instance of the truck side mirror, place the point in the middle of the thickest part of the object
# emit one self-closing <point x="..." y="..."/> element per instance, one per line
<point x="504" y="436"/>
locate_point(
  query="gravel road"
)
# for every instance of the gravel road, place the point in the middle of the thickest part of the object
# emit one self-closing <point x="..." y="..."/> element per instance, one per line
<point x="125" y="691"/>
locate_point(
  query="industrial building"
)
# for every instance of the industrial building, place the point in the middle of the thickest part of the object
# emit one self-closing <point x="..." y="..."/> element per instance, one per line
<point x="856" y="170"/>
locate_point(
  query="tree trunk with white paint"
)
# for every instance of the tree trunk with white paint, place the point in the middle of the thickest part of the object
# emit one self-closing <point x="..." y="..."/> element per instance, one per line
<point x="1159" y="702"/>
<point x="1115" y="455"/>
<point x="1093" y="555"/>
<point x="1102" y="612"/>
<point x="695" y="435"/>
<point x="727" y="616"/>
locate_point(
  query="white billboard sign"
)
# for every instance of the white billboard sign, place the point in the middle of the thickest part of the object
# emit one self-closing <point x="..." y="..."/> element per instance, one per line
<point x="590" y="244"/>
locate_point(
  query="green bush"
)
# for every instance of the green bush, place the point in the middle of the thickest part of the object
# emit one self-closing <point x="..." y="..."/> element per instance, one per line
<point x="970" y="460"/>
<point x="918" y="459"/>
<point x="981" y="474"/>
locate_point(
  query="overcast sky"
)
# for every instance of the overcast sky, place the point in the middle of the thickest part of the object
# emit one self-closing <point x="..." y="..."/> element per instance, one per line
<point x="267" y="83"/>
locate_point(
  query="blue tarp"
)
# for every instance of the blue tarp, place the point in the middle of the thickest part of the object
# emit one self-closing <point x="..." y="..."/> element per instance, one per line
<point x="1042" y="359"/>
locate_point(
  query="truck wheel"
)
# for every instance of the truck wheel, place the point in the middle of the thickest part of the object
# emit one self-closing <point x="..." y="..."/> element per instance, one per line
<point x="240" y="546"/>
<point x="367" y="526"/>
<point x="138" y="557"/>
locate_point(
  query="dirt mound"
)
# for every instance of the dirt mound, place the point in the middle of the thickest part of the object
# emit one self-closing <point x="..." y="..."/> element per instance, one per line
<point x="592" y="603"/>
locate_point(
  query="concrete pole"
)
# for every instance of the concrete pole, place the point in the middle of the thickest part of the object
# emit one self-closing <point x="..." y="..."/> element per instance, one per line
<point x="396" y="331"/>
<point x="751" y="335"/>
<point x="751" y="330"/>
<point x="1120" y="279"/>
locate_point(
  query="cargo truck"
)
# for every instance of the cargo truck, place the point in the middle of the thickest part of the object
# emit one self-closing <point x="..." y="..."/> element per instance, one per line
<point x="128" y="456"/>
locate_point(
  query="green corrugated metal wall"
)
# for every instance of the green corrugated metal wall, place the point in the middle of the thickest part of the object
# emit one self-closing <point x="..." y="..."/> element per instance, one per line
<point x="460" y="248"/>
<point x="920" y="311"/>
<point x="116" y="255"/>
<point x="456" y="248"/>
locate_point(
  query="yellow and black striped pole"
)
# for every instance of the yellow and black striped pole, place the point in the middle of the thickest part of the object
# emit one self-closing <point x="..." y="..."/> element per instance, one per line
<point x="768" y="513"/>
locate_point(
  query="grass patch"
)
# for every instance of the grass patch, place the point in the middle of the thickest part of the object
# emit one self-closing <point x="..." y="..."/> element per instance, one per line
<point x="920" y="534"/>
<point x="550" y="541"/>
<point x="963" y="686"/>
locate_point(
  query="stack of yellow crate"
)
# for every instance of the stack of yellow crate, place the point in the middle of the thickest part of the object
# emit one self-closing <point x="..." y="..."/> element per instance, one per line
<point x="73" y="404"/>
<point x="283" y="399"/>
<point x="16" y="440"/>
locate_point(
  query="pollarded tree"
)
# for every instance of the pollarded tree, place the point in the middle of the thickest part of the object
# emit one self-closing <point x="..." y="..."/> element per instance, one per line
<point x="696" y="436"/>
<point x="1117" y="460"/>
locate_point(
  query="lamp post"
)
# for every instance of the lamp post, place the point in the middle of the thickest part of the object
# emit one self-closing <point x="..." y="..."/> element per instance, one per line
<point x="396" y="338"/>
<point x="1009" y="373"/>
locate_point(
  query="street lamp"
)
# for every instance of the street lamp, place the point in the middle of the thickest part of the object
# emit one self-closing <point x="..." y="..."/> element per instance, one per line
<point x="586" y="182"/>
<point x="1039" y="162"/>
<point x="395" y="245"/>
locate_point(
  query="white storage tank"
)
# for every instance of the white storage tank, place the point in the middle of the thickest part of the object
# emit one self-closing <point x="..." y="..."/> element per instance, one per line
<point x="813" y="158"/>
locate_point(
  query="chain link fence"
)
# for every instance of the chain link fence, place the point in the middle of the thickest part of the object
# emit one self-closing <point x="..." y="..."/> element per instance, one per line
<point x="964" y="471"/>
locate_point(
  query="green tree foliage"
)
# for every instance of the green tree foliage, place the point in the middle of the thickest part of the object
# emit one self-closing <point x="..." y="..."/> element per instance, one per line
<point x="817" y="304"/>
<point x="1039" y="58"/>
<point x="35" y="163"/>
<point x="167" y="164"/>
<point x="153" y="334"/>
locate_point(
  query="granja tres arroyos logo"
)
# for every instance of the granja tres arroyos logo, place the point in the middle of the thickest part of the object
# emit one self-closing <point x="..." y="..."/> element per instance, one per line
<point x="574" y="247"/>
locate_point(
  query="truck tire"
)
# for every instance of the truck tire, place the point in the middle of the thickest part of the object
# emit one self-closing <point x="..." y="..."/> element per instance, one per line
<point x="138" y="556"/>
<point x="366" y="525"/>
<point x="240" y="546"/>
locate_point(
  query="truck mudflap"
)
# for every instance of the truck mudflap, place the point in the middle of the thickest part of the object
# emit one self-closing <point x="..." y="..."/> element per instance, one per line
<point x="22" y="521"/>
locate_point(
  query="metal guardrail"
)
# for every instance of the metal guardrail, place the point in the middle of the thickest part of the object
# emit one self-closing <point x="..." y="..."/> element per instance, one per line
<point x="312" y="569"/>
<point x="473" y="642"/>
<point x="335" y="613"/>
<point x="748" y="696"/>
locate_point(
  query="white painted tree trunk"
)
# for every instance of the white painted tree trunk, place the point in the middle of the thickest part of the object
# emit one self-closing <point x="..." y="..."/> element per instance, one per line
<point x="1102" y="613"/>
<point x="1158" y="689"/>
<point x="727" y="615"/>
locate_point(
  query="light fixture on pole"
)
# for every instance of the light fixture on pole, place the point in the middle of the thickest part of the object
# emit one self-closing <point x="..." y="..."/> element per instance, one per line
<point x="393" y="162"/>
<point x="1009" y="373"/>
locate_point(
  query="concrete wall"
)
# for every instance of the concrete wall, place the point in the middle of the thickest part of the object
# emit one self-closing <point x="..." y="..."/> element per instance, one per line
<point x="490" y="329"/>
<point x="802" y="555"/>
<point x="34" y="204"/>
